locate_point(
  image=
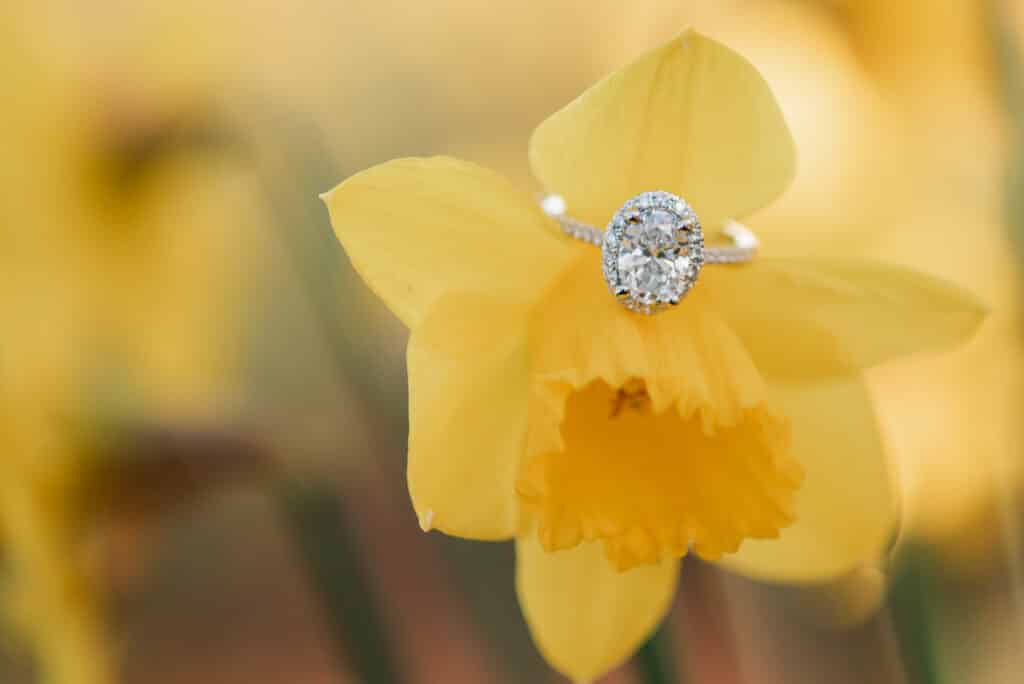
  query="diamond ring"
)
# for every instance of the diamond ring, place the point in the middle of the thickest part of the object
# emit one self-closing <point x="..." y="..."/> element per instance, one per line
<point x="653" y="249"/>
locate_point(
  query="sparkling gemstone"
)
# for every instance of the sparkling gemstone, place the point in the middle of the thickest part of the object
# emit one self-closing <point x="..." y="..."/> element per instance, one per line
<point x="649" y="278"/>
<point x="654" y="233"/>
<point x="652" y="251"/>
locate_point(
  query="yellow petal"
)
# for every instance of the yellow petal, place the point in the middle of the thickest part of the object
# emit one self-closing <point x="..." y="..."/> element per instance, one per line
<point x="805" y="318"/>
<point x="468" y="403"/>
<point x="691" y="117"/>
<point x="585" y="617"/>
<point x="686" y="355"/>
<point x="416" y="229"/>
<point x="846" y="514"/>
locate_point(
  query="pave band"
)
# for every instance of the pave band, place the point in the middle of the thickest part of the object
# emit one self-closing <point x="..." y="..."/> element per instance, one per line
<point x="743" y="248"/>
<point x="653" y="249"/>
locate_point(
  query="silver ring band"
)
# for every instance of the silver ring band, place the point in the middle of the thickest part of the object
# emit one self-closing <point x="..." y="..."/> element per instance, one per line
<point x="744" y="241"/>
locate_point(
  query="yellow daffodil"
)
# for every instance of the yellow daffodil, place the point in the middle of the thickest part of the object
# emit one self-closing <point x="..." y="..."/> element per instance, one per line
<point x="607" y="443"/>
<point x="121" y="269"/>
<point x="50" y="593"/>
<point x="124" y="215"/>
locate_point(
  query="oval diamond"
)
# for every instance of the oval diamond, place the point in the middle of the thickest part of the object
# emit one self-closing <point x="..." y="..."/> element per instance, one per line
<point x="653" y="251"/>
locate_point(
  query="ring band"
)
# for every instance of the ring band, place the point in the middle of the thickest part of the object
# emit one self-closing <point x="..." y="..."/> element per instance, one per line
<point x="743" y="248"/>
<point x="653" y="248"/>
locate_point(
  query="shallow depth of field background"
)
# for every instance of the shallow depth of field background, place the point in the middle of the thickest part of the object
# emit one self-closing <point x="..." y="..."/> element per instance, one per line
<point x="202" y="403"/>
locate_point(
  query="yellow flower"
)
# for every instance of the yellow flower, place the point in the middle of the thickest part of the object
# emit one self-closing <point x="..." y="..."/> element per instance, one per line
<point x="607" y="443"/>
<point x="121" y="266"/>
<point x="49" y="591"/>
<point x="123" y="216"/>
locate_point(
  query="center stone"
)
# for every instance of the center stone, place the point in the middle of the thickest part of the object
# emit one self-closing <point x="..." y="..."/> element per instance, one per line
<point x="651" y="260"/>
<point x="653" y="251"/>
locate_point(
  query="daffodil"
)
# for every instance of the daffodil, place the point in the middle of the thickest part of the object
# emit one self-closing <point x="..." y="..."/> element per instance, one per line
<point x="49" y="593"/>
<point x="124" y="216"/>
<point x="121" y="268"/>
<point x="610" y="444"/>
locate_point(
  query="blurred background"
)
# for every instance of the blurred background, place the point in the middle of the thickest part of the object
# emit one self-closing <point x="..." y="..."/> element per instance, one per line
<point x="202" y="410"/>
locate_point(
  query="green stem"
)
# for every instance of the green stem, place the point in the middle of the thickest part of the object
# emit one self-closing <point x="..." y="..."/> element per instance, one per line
<point x="1010" y="72"/>
<point x="912" y="605"/>
<point x="330" y="555"/>
<point x="655" y="658"/>
<point x="313" y="512"/>
<point x="1009" y="67"/>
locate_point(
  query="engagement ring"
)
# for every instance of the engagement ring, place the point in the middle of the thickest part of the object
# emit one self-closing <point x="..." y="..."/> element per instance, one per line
<point x="653" y="249"/>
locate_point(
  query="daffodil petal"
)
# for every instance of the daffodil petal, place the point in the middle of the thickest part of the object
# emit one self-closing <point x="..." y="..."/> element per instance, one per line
<point x="468" y="404"/>
<point x="808" y="318"/>
<point x="691" y="117"/>
<point x="846" y="513"/>
<point x="416" y="229"/>
<point x="688" y="355"/>
<point x="586" y="617"/>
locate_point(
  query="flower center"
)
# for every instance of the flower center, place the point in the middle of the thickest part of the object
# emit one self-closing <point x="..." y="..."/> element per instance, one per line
<point x="653" y="485"/>
<point x="633" y="395"/>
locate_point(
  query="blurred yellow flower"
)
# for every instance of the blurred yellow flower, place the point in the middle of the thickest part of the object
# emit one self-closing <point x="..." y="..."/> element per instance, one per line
<point x="123" y="257"/>
<point x="124" y="214"/>
<point x="607" y="443"/>
<point x="941" y="145"/>
<point x="50" y="593"/>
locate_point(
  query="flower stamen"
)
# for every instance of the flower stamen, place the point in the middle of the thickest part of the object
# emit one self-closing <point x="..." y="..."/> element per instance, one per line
<point x="633" y="395"/>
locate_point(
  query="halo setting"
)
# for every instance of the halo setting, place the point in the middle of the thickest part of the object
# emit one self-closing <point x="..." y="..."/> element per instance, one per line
<point x="653" y="251"/>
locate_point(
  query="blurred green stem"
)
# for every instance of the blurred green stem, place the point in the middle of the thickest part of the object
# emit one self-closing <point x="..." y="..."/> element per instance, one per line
<point x="912" y="602"/>
<point x="314" y="513"/>
<point x="316" y="520"/>
<point x="654" y="659"/>
<point x="1007" y="59"/>
<point x="1010" y="72"/>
